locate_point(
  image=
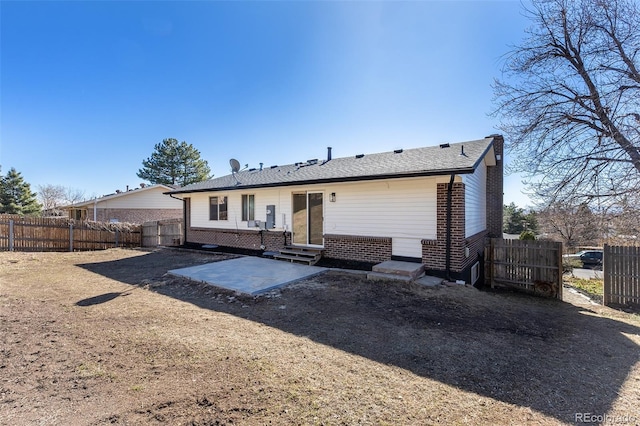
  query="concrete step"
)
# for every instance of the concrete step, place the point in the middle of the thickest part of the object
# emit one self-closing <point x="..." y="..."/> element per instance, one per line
<point x="401" y="269"/>
<point x="380" y="276"/>
<point x="430" y="281"/>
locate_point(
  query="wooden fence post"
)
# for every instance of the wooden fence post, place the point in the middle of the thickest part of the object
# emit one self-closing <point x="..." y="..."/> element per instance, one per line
<point x="10" y="234"/>
<point x="606" y="262"/>
<point x="491" y="265"/>
<point x="71" y="237"/>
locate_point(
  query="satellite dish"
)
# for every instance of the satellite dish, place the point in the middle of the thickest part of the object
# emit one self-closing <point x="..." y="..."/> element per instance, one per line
<point x="235" y="165"/>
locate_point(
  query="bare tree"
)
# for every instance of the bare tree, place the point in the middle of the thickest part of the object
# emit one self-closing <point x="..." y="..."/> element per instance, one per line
<point x="51" y="197"/>
<point x="569" y="100"/>
<point x="73" y="195"/>
<point x="573" y="225"/>
<point x="623" y="222"/>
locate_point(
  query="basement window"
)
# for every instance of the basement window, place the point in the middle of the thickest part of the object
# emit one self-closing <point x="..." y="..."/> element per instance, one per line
<point x="217" y="208"/>
<point x="248" y="207"/>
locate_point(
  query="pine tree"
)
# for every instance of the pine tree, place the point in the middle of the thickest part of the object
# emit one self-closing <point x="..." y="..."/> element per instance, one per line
<point x="16" y="196"/>
<point x="174" y="163"/>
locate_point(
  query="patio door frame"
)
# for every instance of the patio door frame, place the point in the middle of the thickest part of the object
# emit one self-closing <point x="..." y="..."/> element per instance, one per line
<point x="310" y="225"/>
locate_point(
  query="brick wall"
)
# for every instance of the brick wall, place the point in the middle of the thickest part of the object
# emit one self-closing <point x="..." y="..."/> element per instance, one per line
<point x="134" y="215"/>
<point x="434" y="252"/>
<point x="241" y="238"/>
<point x="353" y="247"/>
<point x="495" y="190"/>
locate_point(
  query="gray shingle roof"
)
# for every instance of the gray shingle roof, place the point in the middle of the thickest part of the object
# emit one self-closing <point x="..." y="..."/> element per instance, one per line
<point x="432" y="160"/>
<point x="119" y="194"/>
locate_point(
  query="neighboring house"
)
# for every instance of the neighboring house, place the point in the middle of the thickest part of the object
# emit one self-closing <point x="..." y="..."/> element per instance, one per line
<point x="139" y="205"/>
<point x="395" y="205"/>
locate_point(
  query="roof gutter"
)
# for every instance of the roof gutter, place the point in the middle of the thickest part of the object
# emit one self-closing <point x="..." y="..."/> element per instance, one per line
<point x="464" y="171"/>
<point x="484" y="154"/>
<point x="184" y="214"/>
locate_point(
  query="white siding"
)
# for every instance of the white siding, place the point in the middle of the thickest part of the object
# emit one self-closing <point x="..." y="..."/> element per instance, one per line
<point x="392" y="208"/>
<point x="475" y="205"/>
<point x="403" y="209"/>
<point x="280" y="197"/>
<point x="152" y="198"/>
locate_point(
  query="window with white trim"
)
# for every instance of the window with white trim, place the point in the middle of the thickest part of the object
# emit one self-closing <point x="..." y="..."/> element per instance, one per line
<point x="218" y="208"/>
<point x="248" y="207"/>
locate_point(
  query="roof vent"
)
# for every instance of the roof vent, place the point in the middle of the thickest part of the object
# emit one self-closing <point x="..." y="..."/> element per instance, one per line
<point x="397" y="151"/>
<point x="273" y="167"/>
<point x="253" y="169"/>
<point x="328" y="153"/>
<point x="444" y="145"/>
<point x="359" y="155"/>
<point x="261" y="164"/>
<point x="313" y="161"/>
<point x="462" y="151"/>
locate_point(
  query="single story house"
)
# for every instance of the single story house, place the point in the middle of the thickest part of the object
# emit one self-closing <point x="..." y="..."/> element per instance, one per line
<point x="144" y="204"/>
<point x="434" y="205"/>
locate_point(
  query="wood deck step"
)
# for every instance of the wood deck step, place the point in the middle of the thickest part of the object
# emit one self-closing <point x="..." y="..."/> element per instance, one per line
<point x="298" y="259"/>
<point x="307" y="255"/>
<point x="299" y="253"/>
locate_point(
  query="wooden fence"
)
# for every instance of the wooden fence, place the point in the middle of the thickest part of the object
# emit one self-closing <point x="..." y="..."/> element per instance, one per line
<point x="166" y="232"/>
<point x="621" y="271"/>
<point x="531" y="266"/>
<point x="54" y="234"/>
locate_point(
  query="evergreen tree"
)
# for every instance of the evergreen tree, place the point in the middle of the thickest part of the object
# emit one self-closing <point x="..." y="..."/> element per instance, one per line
<point x="16" y="196"/>
<point x="515" y="220"/>
<point x="174" y="163"/>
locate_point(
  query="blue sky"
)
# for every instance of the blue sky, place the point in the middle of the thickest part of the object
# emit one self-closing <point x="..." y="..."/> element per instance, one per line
<point x="88" y="88"/>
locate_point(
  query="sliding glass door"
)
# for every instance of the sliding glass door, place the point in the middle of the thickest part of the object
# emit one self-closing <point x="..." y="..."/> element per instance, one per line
<point x="308" y="218"/>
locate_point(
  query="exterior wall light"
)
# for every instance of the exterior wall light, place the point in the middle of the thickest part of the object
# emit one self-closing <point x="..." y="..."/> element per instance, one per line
<point x="332" y="197"/>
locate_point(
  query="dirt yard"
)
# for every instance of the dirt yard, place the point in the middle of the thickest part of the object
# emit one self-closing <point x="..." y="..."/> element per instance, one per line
<point x="108" y="338"/>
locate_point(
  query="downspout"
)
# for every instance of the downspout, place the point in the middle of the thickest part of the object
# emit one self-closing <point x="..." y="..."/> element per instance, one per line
<point x="184" y="216"/>
<point x="448" y="240"/>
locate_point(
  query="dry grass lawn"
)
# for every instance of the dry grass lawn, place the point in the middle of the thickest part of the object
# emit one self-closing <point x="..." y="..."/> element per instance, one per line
<point x="108" y="338"/>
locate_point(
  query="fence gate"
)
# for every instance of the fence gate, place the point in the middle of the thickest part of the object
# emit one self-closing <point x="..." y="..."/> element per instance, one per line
<point x="530" y="266"/>
<point x="621" y="276"/>
<point x="167" y="232"/>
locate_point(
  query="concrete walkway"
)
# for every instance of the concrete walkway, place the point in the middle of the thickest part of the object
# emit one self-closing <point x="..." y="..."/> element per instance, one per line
<point x="250" y="275"/>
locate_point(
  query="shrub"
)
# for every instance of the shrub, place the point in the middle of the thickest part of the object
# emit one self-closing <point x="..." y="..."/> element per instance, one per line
<point x="527" y="235"/>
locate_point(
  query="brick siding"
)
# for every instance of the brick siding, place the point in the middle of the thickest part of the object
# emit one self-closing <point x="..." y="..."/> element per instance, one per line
<point x="359" y="248"/>
<point x="241" y="238"/>
<point x="434" y="252"/>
